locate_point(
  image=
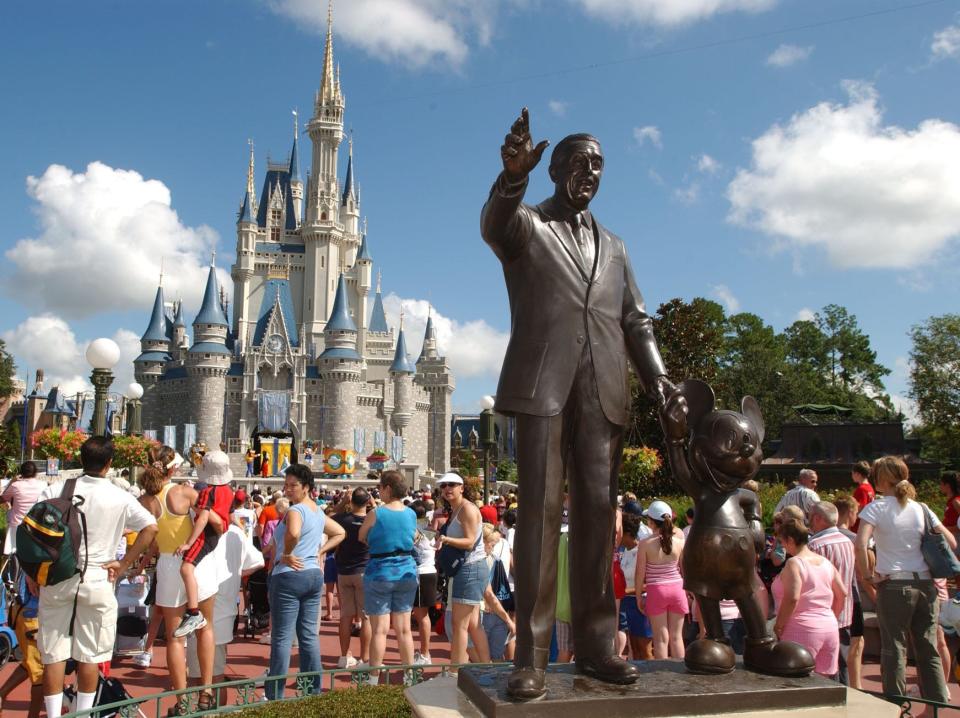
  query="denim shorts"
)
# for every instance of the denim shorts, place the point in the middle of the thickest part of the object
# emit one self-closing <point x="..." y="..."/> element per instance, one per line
<point x="470" y="583"/>
<point x="383" y="597"/>
<point x="632" y="620"/>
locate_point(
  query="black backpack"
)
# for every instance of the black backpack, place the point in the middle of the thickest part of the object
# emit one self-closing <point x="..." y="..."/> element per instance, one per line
<point x="500" y="585"/>
<point x="49" y="538"/>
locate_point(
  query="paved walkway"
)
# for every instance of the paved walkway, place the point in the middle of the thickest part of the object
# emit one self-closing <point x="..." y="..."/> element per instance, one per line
<point x="250" y="658"/>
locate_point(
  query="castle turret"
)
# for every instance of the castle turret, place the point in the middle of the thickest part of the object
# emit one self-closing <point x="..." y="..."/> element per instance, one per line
<point x="349" y="206"/>
<point x="207" y="363"/>
<point x="296" y="184"/>
<point x="179" y="341"/>
<point x="154" y="352"/>
<point x="363" y="271"/>
<point x="378" y="340"/>
<point x="435" y="377"/>
<point x="340" y="367"/>
<point x="401" y="373"/>
<point x="243" y="270"/>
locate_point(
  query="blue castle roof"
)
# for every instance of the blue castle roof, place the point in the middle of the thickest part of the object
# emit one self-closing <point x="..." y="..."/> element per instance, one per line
<point x="246" y="215"/>
<point x="272" y="289"/>
<point x="211" y="312"/>
<point x="157" y="329"/>
<point x="178" y="320"/>
<point x="274" y="177"/>
<point x="378" y="318"/>
<point x="340" y="319"/>
<point x="348" y="182"/>
<point x="294" y="170"/>
<point x="364" y="253"/>
<point x="401" y="362"/>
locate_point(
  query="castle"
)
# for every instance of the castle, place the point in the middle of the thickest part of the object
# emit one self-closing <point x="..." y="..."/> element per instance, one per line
<point x="306" y="358"/>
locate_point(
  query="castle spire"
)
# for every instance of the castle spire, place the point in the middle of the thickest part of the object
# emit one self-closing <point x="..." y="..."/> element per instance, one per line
<point x="251" y="190"/>
<point x="294" y="158"/>
<point x="157" y="329"/>
<point x="378" y="318"/>
<point x="348" y="182"/>
<point x="328" y="81"/>
<point x="401" y="362"/>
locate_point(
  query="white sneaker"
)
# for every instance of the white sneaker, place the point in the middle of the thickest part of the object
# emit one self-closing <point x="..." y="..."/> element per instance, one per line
<point x="143" y="660"/>
<point x="346" y="662"/>
<point x="189" y="623"/>
<point x="422" y="659"/>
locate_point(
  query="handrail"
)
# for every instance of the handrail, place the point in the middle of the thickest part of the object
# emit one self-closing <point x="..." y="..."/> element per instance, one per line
<point x="306" y="684"/>
<point x="906" y="703"/>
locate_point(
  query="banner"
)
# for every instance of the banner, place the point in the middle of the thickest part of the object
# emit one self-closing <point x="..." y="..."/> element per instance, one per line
<point x="396" y="449"/>
<point x="380" y="441"/>
<point x="170" y="436"/>
<point x="273" y="411"/>
<point x="150" y="434"/>
<point x="189" y="437"/>
<point x="359" y="440"/>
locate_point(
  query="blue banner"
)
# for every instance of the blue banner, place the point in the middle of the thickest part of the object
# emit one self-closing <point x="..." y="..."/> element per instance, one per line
<point x="170" y="436"/>
<point x="380" y="441"/>
<point x="150" y="434"/>
<point x="273" y="411"/>
<point x="359" y="440"/>
<point x="189" y="437"/>
<point x="396" y="449"/>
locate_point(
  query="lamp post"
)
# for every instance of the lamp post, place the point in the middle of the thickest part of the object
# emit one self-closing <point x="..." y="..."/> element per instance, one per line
<point x="133" y="394"/>
<point x="102" y="354"/>
<point x="488" y="440"/>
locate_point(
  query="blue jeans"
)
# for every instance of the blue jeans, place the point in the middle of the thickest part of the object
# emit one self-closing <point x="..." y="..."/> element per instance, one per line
<point x="294" y="602"/>
<point x="497" y="633"/>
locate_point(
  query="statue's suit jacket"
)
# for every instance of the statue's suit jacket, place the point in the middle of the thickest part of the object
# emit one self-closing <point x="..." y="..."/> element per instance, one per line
<point x="557" y="306"/>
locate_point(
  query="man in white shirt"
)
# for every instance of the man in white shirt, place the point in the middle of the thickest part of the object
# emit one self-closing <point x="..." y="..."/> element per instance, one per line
<point x="235" y="558"/>
<point x="803" y="495"/>
<point x="110" y="512"/>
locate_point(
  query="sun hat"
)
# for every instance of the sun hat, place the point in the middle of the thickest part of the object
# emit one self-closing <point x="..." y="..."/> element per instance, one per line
<point x="658" y="510"/>
<point x="215" y="468"/>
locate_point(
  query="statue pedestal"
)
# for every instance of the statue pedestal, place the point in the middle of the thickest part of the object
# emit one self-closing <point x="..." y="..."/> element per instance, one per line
<point x="664" y="689"/>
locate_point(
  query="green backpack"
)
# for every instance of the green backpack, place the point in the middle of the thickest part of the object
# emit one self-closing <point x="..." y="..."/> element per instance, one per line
<point x="49" y="538"/>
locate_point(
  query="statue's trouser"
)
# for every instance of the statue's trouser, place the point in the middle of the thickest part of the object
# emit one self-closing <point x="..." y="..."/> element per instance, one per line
<point x="580" y="447"/>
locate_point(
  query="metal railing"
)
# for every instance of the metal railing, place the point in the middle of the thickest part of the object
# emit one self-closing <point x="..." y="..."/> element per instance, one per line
<point x="906" y="703"/>
<point x="249" y="692"/>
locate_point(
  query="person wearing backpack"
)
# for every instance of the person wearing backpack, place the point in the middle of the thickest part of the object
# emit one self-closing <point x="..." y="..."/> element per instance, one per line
<point x="497" y="599"/>
<point x="78" y="616"/>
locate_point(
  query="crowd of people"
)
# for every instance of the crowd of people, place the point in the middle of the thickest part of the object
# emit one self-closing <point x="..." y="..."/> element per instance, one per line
<point x="395" y="560"/>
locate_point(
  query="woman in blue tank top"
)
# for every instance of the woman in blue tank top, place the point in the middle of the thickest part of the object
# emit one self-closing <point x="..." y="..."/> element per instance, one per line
<point x="390" y="579"/>
<point x="296" y="582"/>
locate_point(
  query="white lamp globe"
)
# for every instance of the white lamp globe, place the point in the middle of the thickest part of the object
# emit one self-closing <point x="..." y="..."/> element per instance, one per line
<point x="487" y="402"/>
<point x="134" y="391"/>
<point x="103" y="353"/>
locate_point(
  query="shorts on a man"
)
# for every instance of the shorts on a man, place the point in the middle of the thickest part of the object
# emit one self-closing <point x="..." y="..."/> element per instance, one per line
<point x="193" y="663"/>
<point x="171" y="593"/>
<point x="26" y="630"/>
<point x="95" y="625"/>
<point x="383" y="597"/>
<point x="350" y="589"/>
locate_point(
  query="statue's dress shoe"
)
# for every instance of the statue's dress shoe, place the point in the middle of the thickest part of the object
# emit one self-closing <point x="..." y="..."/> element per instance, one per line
<point x="526" y="684"/>
<point x="709" y="657"/>
<point x="609" y="669"/>
<point x="777" y="658"/>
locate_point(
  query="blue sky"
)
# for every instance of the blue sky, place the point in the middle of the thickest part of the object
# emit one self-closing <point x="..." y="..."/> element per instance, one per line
<point x="776" y="155"/>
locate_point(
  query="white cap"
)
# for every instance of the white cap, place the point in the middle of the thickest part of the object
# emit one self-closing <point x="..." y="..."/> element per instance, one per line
<point x="175" y="461"/>
<point x="215" y="468"/>
<point x="658" y="510"/>
<point x="450" y="478"/>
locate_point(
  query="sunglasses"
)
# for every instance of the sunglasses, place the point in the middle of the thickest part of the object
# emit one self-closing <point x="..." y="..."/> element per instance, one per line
<point x="446" y="485"/>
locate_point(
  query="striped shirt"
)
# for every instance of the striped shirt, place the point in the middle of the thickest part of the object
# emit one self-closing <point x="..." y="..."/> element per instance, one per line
<point x="801" y="497"/>
<point x="838" y="549"/>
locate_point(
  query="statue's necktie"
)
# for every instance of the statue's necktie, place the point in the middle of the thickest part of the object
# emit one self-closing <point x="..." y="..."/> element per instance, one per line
<point x="584" y="238"/>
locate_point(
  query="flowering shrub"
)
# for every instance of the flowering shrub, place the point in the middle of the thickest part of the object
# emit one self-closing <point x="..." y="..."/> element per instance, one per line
<point x="639" y="470"/>
<point x="58" y="443"/>
<point x="131" y="451"/>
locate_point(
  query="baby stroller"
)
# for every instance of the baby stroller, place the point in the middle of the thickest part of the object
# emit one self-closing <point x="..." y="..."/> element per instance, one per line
<point x="109" y="690"/>
<point x="133" y="615"/>
<point x="257" y="614"/>
<point x="9" y="594"/>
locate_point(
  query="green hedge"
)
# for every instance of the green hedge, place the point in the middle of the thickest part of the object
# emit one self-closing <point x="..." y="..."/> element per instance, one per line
<point x="367" y="702"/>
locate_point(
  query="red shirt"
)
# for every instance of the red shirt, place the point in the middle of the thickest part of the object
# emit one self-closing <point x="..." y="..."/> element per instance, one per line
<point x="863" y="495"/>
<point x="489" y="514"/>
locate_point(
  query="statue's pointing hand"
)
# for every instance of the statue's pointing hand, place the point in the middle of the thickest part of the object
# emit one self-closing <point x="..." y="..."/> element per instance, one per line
<point x="518" y="153"/>
<point x="673" y="416"/>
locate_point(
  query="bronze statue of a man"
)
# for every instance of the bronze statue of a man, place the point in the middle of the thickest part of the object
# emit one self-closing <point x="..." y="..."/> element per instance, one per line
<point x="576" y="314"/>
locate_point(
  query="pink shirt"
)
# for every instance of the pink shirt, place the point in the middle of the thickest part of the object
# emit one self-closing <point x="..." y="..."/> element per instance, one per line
<point x="814" y="608"/>
<point x="22" y="494"/>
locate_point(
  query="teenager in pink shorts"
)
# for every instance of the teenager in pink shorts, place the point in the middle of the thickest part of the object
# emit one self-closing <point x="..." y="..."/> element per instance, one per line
<point x="658" y="561"/>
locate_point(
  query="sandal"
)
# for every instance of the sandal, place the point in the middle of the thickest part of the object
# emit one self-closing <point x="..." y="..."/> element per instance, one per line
<point x="206" y="701"/>
<point x="182" y="708"/>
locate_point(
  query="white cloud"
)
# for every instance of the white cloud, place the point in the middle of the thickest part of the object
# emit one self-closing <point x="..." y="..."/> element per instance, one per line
<point x="655" y="177"/>
<point x="472" y="348"/>
<point x="558" y="107"/>
<point x="707" y="164"/>
<point x="667" y="12"/>
<point x="688" y="194"/>
<point x="415" y="32"/>
<point x="787" y="55"/>
<point x="723" y="293"/>
<point x="648" y="133"/>
<point x="47" y="342"/>
<point x="946" y="43"/>
<point x="870" y="195"/>
<point x="806" y="314"/>
<point x="103" y="233"/>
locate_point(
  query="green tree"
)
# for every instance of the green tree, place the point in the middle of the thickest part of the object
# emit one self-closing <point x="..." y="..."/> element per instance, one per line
<point x="856" y="378"/>
<point x="506" y="471"/>
<point x="935" y="386"/>
<point x="7" y="371"/>
<point x="690" y="336"/>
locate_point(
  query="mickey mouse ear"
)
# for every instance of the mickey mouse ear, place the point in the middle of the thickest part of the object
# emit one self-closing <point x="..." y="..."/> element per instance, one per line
<point x="751" y="409"/>
<point x="700" y="399"/>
